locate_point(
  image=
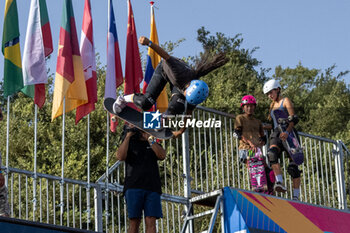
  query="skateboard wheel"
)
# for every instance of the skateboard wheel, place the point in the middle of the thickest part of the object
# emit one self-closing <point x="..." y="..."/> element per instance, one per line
<point x="293" y="151"/>
<point x="114" y="119"/>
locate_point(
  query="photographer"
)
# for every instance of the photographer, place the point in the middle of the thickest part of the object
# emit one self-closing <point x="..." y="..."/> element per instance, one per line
<point x="142" y="187"/>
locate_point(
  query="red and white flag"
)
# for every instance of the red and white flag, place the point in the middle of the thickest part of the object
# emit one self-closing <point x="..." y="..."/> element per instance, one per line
<point x="87" y="51"/>
<point x="114" y="74"/>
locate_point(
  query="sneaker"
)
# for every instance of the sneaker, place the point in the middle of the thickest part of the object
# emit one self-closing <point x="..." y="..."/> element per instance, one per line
<point x="279" y="187"/>
<point x="295" y="198"/>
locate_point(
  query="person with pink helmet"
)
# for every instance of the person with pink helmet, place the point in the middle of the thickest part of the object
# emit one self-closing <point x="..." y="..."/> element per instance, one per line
<point x="250" y="133"/>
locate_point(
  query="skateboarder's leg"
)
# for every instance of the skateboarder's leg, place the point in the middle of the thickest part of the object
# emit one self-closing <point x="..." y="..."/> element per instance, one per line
<point x="154" y="88"/>
<point x="294" y="172"/>
<point x="176" y="103"/>
<point x="274" y="153"/>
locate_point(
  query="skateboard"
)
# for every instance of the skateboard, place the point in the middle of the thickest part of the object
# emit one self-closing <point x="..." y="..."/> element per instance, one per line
<point x="292" y="144"/>
<point x="256" y="167"/>
<point x="136" y="118"/>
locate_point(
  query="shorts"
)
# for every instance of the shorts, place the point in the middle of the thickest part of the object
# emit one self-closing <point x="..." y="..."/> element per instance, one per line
<point x="140" y="199"/>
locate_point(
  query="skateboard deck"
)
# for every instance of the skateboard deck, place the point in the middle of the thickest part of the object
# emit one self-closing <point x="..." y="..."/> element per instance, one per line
<point x="256" y="167"/>
<point x="291" y="144"/>
<point x="135" y="118"/>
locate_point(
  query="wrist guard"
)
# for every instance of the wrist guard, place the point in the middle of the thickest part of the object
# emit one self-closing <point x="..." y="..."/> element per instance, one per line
<point x="237" y="133"/>
<point x="294" y="119"/>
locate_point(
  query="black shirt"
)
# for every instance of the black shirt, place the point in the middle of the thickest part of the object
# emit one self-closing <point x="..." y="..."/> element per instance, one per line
<point x="141" y="167"/>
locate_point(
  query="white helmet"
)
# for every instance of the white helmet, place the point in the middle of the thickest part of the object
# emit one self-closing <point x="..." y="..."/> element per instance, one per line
<point x="270" y="85"/>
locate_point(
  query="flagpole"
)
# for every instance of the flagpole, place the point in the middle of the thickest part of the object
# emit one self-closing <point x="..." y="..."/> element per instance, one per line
<point x="88" y="172"/>
<point x="7" y="140"/>
<point x="35" y="157"/>
<point x="62" y="165"/>
<point x="107" y="146"/>
<point x="107" y="171"/>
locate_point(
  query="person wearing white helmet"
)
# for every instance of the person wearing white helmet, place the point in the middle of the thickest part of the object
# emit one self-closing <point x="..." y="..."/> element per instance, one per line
<point x="183" y="79"/>
<point x="272" y="89"/>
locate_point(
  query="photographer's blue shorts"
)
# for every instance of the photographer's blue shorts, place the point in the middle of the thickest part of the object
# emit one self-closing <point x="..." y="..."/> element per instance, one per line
<point x="140" y="199"/>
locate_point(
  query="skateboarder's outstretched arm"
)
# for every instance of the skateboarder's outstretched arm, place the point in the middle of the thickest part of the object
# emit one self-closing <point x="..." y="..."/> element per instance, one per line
<point x="161" y="52"/>
<point x="177" y="133"/>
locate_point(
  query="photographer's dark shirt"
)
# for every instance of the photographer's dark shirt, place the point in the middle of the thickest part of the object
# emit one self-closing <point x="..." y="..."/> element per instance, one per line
<point x="141" y="167"/>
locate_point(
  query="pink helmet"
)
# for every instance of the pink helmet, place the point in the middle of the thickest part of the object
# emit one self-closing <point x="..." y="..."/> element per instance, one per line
<point x="248" y="99"/>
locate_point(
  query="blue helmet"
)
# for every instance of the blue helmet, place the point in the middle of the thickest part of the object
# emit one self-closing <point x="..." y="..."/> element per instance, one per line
<point x="197" y="92"/>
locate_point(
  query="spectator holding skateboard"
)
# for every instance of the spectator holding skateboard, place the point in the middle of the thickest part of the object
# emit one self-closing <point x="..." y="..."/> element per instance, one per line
<point x="142" y="187"/>
<point x="184" y="83"/>
<point x="272" y="89"/>
<point x="249" y="131"/>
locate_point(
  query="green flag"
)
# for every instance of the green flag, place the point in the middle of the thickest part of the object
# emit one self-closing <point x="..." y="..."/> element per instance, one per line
<point x="13" y="79"/>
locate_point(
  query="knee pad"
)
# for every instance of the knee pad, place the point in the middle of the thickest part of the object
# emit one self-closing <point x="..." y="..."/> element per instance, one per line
<point x="176" y="105"/>
<point x="273" y="154"/>
<point x="293" y="170"/>
<point x="145" y="102"/>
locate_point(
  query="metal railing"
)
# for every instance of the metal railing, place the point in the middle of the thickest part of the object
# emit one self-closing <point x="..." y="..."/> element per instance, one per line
<point x="203" y="160"/>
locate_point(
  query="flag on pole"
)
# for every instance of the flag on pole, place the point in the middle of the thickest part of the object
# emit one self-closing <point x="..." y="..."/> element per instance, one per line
<point x="114" y="73"/>
<point x="69" y="80"/>
<point x="133" y="69"/>
<point x="87" y="51"/>
<point x="152" y="61"/>
<point x="38" y="45"/>
<point x="13" y="79"/>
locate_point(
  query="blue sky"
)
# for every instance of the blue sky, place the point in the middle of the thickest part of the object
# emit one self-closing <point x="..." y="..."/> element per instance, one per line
<point x="313" y="32"/>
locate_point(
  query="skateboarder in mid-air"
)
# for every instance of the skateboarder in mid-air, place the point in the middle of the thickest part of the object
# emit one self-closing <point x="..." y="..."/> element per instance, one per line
<point x="184" y="83"/>
<point x="249" y="131"/>
<point x="272" y="89"/>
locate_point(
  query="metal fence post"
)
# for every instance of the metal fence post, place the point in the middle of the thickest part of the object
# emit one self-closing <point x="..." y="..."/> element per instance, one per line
<point x="98" y="208"/>
<point x="187" y="174"/>
<point x="339" y="172"/>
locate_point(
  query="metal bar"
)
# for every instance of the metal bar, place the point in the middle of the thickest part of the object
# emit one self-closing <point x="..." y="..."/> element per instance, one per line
<point x="215" y="213"/>
<point x="232" y="165"/>
<point x="323" y="188"/>
<point x="19" y="197"/>
<point x="227" y="155"/>
<point x="62" y="164"/>
<point x="54" y="202"/>
<point x="35" y="161"/>
<point x="222" y="158"/>
<point x="40" y="201"/>
<point x="200" y="156"/>
<point x="318" y="173"/>
<point x="206" y="157"/>
<point x="67" y="197"/>
<point x="211" y="159"/>
<point x="47" y="203"/>
<point x="186" y="167"/>
<point x="73" y="205"/>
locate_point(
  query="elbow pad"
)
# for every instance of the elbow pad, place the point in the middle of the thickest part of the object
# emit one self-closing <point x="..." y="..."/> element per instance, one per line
<point x="294" y="119"/>
<point x="237" y="133"/>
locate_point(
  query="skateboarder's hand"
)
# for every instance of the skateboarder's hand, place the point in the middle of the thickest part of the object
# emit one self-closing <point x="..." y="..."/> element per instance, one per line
<point x="284" y="135"/>
<point x="143" y="40"/>
<point x="176" y="134"/>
